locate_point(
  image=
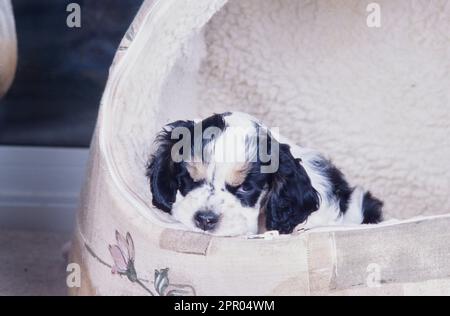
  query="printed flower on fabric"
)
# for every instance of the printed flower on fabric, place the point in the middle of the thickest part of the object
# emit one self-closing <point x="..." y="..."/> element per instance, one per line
<point x="123" y="256"/>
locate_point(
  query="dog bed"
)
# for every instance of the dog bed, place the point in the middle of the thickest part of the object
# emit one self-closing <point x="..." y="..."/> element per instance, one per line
<point x="8" y="46"/>
<point x="375" y="99"/>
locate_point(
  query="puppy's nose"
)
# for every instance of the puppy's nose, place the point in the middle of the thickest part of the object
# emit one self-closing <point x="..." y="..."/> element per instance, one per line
<point x="206" y="220"/>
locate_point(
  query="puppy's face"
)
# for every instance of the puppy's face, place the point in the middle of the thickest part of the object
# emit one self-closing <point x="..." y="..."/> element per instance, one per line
<point x="222" y="198"/>
<point x="210" y="175"/>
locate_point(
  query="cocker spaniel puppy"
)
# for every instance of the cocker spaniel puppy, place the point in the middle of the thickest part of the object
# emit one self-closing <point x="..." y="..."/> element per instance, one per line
<point x="229" y="175"/>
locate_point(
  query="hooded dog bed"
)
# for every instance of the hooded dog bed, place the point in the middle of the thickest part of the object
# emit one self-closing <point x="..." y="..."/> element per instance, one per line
<point x="375" y="99"/>
<point x="8" y="46"/>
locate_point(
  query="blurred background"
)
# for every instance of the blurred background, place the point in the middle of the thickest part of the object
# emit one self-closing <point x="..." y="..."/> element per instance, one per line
<point x="46" y="123"/>
<point x="61" y="71"/>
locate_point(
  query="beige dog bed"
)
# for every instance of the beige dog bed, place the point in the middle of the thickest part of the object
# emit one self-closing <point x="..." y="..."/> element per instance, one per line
<point x="8" y="46"/>
<point x="376" y="100"/>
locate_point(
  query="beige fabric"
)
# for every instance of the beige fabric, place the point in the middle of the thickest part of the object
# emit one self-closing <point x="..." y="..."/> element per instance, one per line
<point x="401" y="254"/>
<point x="375" y="100"/>
<point x="8" y="46"/>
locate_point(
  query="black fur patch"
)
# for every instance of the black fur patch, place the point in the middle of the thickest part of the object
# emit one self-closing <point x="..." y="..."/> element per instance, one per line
<point x="340" y="190"/>
<point x="372" y="209"/>
<point x="166" y="176"/>
<point x="217" y="120"/>
<point x="291" y="198"/>
<point x="162" y="171"/>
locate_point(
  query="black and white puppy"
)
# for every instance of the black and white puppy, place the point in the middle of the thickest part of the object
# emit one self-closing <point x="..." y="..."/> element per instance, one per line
<point x="229" y="175"/>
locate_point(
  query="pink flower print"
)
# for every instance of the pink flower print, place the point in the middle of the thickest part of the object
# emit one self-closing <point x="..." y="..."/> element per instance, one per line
<point x="123" y="256"/>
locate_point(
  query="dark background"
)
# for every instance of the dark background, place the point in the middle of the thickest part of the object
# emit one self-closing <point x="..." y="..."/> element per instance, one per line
<point x="61" y="71"/>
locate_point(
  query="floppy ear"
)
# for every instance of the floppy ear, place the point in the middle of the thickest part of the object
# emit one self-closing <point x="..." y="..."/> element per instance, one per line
<point x="162" y="170"/>
<point x="291" y="197"/>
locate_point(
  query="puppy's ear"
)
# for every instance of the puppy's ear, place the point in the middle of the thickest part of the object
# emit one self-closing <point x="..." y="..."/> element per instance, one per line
<point x="162" y="170"/>
<point x="291" y="197"/>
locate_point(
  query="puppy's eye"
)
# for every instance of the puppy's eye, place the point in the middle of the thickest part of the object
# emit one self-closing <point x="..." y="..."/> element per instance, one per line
<point x="245" y="188"/>
<point x="242" y="189"/>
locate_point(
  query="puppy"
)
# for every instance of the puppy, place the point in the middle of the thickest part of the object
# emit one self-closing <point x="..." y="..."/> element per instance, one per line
<point x="229" y="175"/>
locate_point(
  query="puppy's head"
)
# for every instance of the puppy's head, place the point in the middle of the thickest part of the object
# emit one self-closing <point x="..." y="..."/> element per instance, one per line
<point x="219" y="175"/>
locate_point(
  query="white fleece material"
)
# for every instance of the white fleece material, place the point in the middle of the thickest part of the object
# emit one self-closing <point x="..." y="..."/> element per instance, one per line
<point x="374" y="100"/>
